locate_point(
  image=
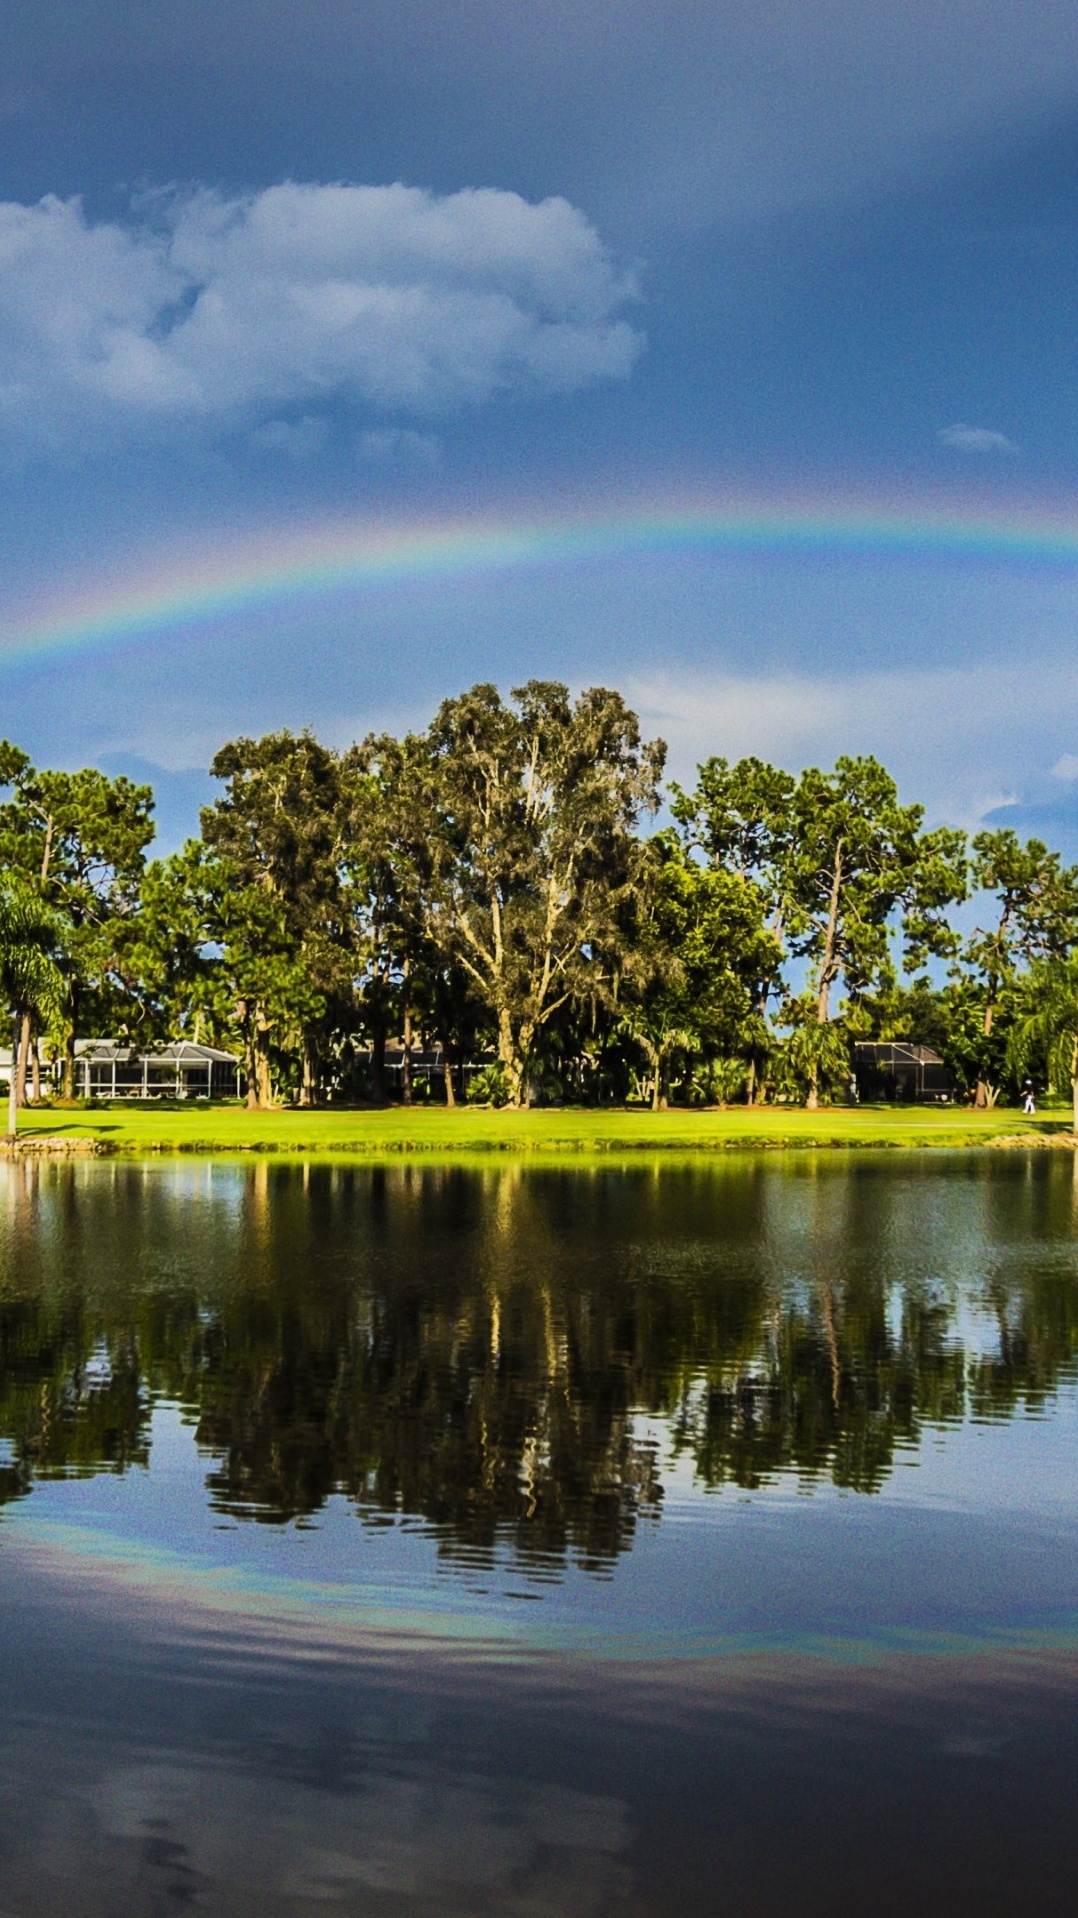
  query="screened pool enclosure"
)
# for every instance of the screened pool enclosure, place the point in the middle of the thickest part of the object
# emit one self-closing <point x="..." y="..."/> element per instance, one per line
<point x="106" y="1069"/>
<point x="183" y="1070"/>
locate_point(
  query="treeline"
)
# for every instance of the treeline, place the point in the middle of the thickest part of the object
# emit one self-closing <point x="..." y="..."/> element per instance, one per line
<point x="495" y="887"/>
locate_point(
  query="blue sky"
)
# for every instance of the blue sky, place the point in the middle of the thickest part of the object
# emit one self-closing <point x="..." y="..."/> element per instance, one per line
<point x="267" y="263"/>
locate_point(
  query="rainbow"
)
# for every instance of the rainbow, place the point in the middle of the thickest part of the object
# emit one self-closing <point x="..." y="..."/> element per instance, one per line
<point x="353" y="560"/>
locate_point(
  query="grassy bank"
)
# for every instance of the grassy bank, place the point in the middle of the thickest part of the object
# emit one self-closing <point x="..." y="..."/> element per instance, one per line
<point x="198" y="1128"/>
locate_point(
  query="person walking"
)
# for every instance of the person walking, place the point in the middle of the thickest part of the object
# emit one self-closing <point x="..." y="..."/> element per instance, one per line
<point x="1029" y="1105"/>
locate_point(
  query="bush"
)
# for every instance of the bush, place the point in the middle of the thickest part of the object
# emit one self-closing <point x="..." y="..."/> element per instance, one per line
<point x="489" y="1087"/>
<point x="721" y="1082"/>
<point x="812" y="1050"/>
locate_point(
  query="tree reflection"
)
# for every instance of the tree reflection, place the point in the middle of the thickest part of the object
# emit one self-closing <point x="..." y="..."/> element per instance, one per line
<point x="484" y="1351"/>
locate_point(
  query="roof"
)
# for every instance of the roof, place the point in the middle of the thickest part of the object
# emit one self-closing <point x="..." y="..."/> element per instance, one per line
<point x="176" y="1052"/>
<point x="897" y="1052"/>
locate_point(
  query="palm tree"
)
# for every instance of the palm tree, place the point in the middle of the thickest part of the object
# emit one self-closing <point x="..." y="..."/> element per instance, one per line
<point x="816" y="1056"/>
<point x="31" y="983"/>
<point x="1050" y="1030"/>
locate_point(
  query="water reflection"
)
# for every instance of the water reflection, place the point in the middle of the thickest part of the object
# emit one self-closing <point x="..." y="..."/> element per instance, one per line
<point x="493" y="1351"/>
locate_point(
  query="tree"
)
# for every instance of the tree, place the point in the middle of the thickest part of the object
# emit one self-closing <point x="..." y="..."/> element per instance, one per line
<point x="815" y="1057"/>
<point x="1035" y="917"/>
<point x="270" y="878"/>
<point x="1048" y="1028"/>
<point x="391" y="835"/>
<point x="171" y="968"/>
<point x="918" y="1014"/>
<point x="533" y="807"/>
<point x="258" y="975"/>
<point x="739" y="818"/>
<point x="80" y="839"/>
<point x="697" y="949"/>
<point x="855" y="857"/>
<point x="31" y="982"/>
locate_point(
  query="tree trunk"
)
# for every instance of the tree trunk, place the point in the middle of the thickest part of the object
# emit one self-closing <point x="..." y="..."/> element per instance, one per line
<point x="308" y="1089"/>
<point x="251" y="1064"/>
<point x="515" y="1075"/>
<point x="406" y="1035"/>
<point x="983" y="1097"/>
<point x="12" y="1094"/>
<point x="35" y="1073"/>
<point x="512" y="1059"/>
<point x="69" y="1044"/>
<point x="654" y="1078"/>
<point x="265" y="1079"/>
<point x="827" y="961"/>
<point x="828" y="970"/>
<point x="761" y="1006"/>
<point x="447" y="1075"/>
<point x="259" y="1086"/>
<point x="19" y="1086"/>
<point x="23" y="1060"/>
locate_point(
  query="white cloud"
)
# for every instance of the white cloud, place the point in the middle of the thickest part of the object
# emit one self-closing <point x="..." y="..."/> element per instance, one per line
<point x="976" y="439"/>
<point x="215" y="309"/>
<point x="963" y="744"/>
<point x="1066" y="767"/>
<point x="950" y="736"/>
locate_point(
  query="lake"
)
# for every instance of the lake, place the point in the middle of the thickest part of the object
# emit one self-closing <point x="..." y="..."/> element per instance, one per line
<point x="661" y="1537"/>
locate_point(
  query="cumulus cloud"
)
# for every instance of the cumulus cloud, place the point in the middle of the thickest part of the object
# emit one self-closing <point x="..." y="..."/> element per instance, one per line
<point x="203" y="307"/>
<point x="1066" y="767"/>
<point x="946" y="733"/>
<point x="976" y="439"/>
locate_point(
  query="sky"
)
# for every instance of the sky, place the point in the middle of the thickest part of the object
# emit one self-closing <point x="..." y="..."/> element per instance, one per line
<point x="580" y="315"/>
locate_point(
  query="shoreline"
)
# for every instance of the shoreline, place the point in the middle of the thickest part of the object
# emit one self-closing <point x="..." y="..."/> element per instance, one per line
<point x="397" y="1132"/>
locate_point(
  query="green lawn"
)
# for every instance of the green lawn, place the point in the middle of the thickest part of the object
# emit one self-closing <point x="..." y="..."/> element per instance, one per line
<point x="194" y="1127"/>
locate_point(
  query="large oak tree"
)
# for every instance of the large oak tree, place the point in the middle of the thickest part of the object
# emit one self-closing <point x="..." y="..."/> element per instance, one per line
<point x="533" y="806"/>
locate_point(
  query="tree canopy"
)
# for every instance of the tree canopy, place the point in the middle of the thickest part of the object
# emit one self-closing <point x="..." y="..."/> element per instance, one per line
<point x="502" y="892"/>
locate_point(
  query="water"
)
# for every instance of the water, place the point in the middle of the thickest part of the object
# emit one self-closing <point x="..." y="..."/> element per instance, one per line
<point x="656" y="1538"/>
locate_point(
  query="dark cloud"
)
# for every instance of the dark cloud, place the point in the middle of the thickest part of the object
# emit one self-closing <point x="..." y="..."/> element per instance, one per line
<point x="661" y="114"/>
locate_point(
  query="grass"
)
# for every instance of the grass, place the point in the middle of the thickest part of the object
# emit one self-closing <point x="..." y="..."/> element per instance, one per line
<point x="194" y="1127"/>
